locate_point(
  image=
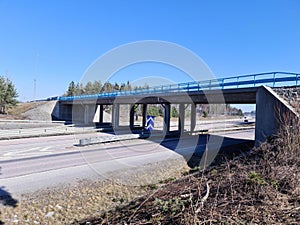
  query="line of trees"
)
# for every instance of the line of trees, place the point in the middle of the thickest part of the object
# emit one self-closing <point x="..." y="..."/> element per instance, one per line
<point x="204" y="110"/>
<point x="97" y="87"/>
<point x="218" y="109"/>
<point x="8" y="94"/>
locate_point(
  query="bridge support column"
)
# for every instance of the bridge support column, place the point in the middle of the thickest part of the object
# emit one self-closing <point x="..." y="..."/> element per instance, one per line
<point x="86" y="115"/>
<point x="193" y="117"/>
<point x="167" y="116"/>
<point x="144" y="112"/>
<point x="181" y="118"/>
<point x="131" y="116"/>
<point x="101" y="114"/>
<point x="89" y="114"/>
<point x="115" y="115"/>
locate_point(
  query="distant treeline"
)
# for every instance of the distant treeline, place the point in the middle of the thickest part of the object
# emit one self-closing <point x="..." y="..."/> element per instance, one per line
<point x="97" y="87"/>
<point x="204" y="110"/>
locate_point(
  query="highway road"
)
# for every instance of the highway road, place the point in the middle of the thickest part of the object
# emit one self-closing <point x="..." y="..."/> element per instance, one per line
<point x="34" y="163"/>
<point x="27" y="174"/>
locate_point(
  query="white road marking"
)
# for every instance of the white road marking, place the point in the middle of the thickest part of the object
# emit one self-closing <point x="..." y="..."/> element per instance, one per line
<point x="45" y="149"/>
<point x="31" y="151"/>
<point x="20" y="152"/>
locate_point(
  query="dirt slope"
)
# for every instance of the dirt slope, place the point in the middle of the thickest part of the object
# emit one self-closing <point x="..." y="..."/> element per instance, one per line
<point x="31" y="110"/>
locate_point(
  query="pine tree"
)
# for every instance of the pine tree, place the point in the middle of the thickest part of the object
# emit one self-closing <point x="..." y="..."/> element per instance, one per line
<point x="116" y="87"/>
<point x="71" y="89"/>
<point x="107" y="87"/>
<point x="8" y="94"/>
<point x="79" y="90"/>
<point x="97" y="86"/>
<point x="88" y="89"/>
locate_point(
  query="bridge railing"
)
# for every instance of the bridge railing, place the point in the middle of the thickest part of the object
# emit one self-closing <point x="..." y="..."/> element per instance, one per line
<point x="272" y="79"/>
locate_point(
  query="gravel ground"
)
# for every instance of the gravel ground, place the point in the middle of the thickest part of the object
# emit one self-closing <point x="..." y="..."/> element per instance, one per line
<point x="83" y="199"/>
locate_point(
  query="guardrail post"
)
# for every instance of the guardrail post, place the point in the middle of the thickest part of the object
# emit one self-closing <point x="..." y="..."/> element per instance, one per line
<point x="274" y="74"/>
<point x="297" y="76"/>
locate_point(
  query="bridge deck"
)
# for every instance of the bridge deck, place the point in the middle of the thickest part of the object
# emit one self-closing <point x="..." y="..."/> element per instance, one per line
<point x="199" y="92"/>
<point x="228" y="96"/>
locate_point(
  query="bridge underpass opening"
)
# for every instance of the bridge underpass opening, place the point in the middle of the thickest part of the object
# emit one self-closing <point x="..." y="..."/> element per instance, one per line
<point x="211" y="118"/>
<point x="158" y="112"/>
<point x="174" y="117"/>
<point x="124" y="118"/>
<point x="105" y="114"/>
<point x="180" y="116"/>
<point x="234" y="121"/>
<point x="137" y="115"/>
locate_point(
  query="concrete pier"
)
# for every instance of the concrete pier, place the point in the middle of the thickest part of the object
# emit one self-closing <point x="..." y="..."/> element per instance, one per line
<point x="115" y="116"/>
<point x="167" y="117"/>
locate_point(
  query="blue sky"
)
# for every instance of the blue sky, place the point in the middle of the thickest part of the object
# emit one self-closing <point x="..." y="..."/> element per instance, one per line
<point x="56" y="41"/>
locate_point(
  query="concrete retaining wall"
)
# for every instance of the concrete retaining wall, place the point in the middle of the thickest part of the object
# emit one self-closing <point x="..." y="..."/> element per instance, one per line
<point x="42" y="112"/>
<point x="271" y="110"/>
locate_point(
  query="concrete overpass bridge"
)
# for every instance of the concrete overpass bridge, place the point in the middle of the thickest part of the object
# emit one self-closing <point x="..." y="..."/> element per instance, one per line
<point x="246" y="89"/>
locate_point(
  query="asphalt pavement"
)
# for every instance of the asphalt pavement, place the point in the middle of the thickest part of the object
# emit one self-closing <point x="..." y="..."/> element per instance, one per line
<point x="33" y="163"/>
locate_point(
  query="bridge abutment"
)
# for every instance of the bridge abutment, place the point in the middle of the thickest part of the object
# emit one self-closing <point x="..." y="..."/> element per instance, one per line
<point x="271" y="113"/>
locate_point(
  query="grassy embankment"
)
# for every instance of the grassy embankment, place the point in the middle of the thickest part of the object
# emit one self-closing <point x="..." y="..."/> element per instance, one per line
<point x="15" y="113"/>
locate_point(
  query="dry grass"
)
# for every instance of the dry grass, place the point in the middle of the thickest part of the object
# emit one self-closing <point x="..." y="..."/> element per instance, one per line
<point x="23" y="107"/>
<point x="67" y="203"/>
<point x="262" y="187"/>
<point x="16" y="113"/>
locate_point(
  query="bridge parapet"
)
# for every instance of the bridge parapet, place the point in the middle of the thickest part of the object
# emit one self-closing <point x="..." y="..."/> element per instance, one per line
<point x="245" y="81"/>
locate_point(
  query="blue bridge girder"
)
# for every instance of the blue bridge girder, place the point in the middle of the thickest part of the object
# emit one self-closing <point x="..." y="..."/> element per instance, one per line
<point x="273" y="79"/>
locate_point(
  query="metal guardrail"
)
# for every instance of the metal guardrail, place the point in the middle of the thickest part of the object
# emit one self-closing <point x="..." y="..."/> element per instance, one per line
<point x="44" y="131"/>
<point x="252" y="80"/>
